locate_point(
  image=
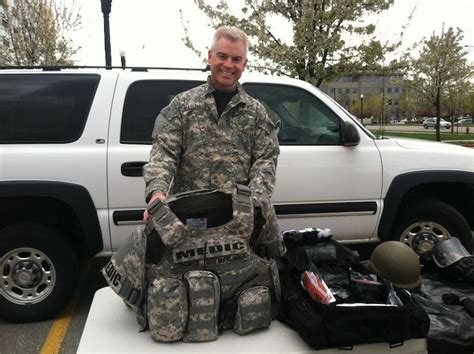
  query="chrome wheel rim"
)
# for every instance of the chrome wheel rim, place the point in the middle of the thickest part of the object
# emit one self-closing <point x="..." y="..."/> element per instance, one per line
<point x="422" y="236"/>
<point x="27" y="276"/>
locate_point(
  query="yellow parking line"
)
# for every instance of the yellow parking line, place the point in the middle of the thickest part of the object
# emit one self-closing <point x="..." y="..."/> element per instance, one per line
<point x="56" y="334"/>
<point x="58" y="330"/>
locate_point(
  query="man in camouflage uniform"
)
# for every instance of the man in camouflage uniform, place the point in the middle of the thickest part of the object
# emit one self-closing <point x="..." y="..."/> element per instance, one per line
<point x="216" y="135"/>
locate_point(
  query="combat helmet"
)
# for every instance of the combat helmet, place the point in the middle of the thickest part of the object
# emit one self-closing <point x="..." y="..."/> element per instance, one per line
<point x="397" y="263"/>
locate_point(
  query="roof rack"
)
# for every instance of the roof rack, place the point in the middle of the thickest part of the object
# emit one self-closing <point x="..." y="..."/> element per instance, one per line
<point x="132" y="68"/>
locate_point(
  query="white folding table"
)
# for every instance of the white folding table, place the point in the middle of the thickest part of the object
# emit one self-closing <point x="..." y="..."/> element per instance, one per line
<point x="111" y="327"/>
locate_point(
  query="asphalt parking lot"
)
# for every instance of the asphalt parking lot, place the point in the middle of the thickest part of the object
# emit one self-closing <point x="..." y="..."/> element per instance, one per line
<point x="63" y="333"/>
<point x="415" y="128"/>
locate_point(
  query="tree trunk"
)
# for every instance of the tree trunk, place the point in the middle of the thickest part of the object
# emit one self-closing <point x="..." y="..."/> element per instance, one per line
<point x="438" y="116"/>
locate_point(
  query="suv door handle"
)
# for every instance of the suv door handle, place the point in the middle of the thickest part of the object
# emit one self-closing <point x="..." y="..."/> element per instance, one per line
<point x="132" y="168"/>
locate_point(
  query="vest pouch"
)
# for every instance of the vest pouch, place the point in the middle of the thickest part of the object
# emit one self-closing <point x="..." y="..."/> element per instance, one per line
<point x="167" y="309"/>
<point x="253" y="310"/>
<point x="203" y="299"/>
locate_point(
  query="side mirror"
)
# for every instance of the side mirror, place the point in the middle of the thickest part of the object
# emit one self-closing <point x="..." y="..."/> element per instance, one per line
<point x="349" y="134"/>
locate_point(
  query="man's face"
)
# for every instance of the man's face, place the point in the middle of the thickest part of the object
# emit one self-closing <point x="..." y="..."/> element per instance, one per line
<point x="227" y="62"/>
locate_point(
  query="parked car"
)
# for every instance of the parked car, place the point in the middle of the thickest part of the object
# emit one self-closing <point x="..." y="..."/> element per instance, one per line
<point x="431" y="123"/>
<point x="464" y="121"/>
<point x="74" y="141"/>
<point x="395" y="121"/>
<point x="419" y="119"/>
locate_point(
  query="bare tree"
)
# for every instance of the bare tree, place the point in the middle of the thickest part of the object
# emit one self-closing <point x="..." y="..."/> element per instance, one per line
<point x="37" y="32"/>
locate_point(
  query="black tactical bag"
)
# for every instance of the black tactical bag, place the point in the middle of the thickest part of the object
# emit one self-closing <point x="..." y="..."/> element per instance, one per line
<point x="362" y="313"/>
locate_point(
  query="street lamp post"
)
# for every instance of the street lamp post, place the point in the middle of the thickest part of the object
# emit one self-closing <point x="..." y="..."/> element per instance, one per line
<point x="362" y="109"/>
<point x="106" y="8"/>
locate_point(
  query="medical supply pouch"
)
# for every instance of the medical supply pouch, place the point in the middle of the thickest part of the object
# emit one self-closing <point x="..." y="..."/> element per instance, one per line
<point x="167" y="305"/>
<point x="203" y="299"/>
<point x="253" y="310"/>
<point x="368" y="309"/>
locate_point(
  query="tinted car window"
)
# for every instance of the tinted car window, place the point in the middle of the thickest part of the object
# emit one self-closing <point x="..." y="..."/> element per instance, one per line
<point x="143" y="102"/>
<point x="44" y="108"/>
<point x="300" y="117"/>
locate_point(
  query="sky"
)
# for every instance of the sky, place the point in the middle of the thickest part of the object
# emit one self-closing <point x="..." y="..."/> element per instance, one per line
<point x="149" y="32"/>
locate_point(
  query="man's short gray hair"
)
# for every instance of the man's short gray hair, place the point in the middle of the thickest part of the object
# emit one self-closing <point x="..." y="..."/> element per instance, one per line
<point x="232" y="33"/>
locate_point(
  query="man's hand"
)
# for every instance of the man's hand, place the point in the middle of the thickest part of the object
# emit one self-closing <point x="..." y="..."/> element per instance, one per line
<point x="154" y="196"/>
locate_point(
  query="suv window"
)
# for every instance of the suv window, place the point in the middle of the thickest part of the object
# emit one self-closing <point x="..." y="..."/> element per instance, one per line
<point x="300" y="117"/>
<point x="143" y="101"/>
<point x="45" y="108"/>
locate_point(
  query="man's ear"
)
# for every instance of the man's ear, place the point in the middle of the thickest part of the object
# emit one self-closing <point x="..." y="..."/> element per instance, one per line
<point x="209" y="55"/>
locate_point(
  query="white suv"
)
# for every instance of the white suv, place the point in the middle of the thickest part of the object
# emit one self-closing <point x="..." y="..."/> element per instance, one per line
<point x="73" y="143"/>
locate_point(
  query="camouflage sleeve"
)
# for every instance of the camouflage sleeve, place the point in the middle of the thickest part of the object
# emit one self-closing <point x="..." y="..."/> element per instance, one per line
<point x="268" y="240"/>
<point x="264" y="157"/>
<point x="166" y="150"/>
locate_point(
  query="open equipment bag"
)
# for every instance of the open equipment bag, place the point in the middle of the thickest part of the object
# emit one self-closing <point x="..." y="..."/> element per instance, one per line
<point x="364" y="308"/>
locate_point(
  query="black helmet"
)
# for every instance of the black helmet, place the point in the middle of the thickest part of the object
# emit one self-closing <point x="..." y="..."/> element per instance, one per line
<point x="396" y="262"/>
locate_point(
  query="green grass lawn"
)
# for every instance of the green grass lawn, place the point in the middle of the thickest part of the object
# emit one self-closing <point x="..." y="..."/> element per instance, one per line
<point x="455" y="138"/>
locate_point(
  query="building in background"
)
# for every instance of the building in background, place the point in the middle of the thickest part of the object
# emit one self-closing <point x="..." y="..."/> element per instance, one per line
<point x="347" y="90"/>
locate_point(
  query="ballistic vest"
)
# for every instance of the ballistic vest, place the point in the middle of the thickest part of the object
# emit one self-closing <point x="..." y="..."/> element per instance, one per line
<point x="207" y="277"/>
<point x="205" y="228"/>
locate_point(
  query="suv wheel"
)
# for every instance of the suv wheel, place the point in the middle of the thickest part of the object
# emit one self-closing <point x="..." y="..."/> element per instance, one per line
<point x="38" y="272"/>
<point x="429" y="221"/>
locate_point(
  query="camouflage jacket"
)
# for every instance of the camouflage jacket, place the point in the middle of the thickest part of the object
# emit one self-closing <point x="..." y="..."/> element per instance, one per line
<point x="194" y="148"/>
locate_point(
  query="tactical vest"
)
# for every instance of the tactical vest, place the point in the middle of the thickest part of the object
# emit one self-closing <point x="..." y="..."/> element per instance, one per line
<point x="206" y="277"/>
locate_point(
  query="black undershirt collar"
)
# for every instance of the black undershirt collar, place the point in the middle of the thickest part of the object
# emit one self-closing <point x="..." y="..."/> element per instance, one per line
<point x="222" y="99"/>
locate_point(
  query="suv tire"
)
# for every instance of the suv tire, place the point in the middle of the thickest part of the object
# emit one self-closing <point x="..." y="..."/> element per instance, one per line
<point x="38" y="272"/>
<point x="428" y="221"/>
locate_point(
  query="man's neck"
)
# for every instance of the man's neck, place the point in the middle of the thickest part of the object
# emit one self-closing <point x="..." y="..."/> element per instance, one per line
<point x="223" y="89"/>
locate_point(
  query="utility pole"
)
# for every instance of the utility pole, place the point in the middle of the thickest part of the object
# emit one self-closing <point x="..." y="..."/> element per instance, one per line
<point x="106" y="8"/>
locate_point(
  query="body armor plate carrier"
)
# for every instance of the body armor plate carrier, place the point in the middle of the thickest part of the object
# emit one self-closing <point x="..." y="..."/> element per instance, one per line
<point x="192" y="270"/>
